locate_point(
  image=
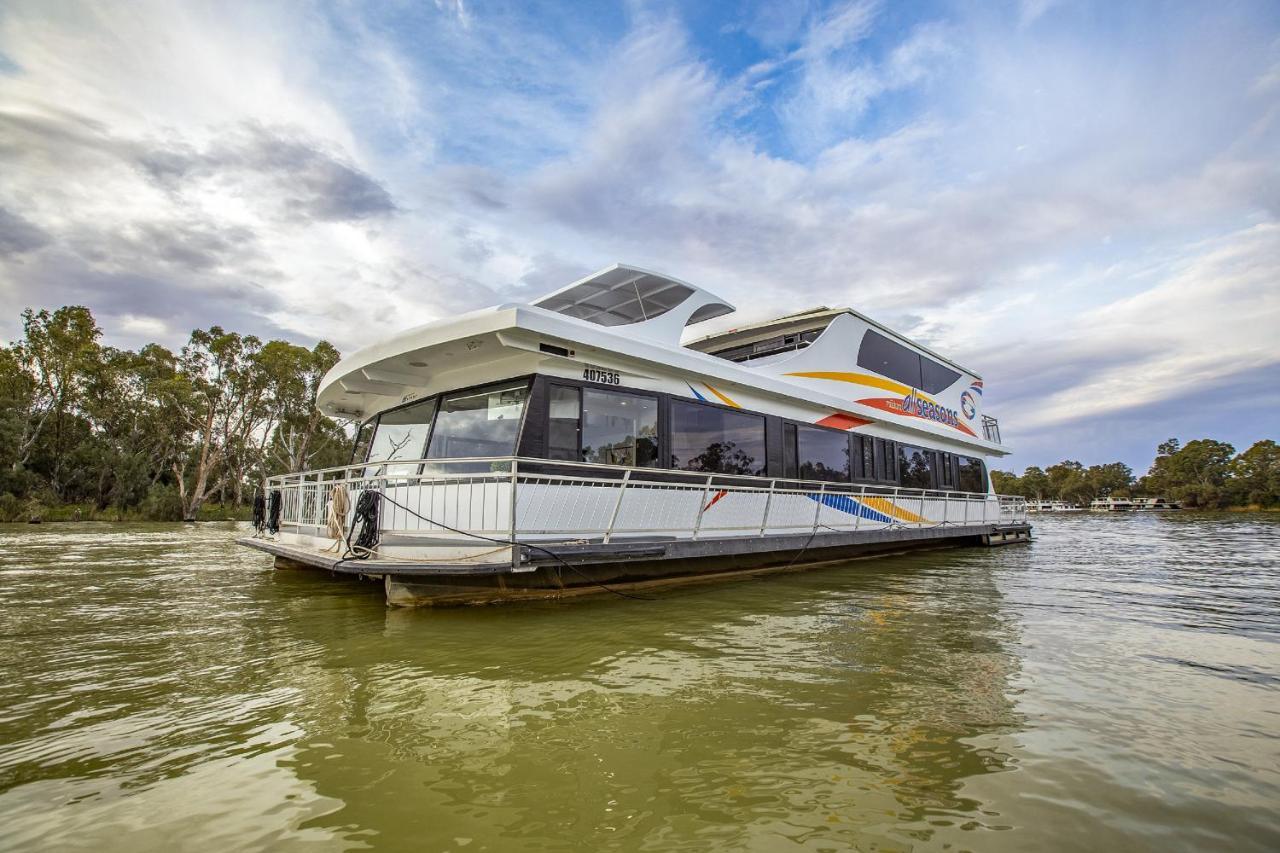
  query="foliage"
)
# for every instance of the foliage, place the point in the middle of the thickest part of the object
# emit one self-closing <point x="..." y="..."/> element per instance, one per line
<point x="1203" y="473"/>
<point x="106" y="432"/>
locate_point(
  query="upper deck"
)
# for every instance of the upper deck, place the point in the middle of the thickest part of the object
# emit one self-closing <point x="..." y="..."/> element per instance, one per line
<point x="830" y="367"/>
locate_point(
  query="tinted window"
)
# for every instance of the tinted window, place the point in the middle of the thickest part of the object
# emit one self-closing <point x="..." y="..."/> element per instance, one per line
<point x="914" y="465"/>
<point x="790" y="454"/>
<point x="973" y="475"/>
<point x="619" y="429"/>
<point x="889" y="358"/>
<point x="947" y="475"/>
<point x="562" y="429"/>
<point x="483" y="422"/>
<point x="364" y="436"/>
<point x="824" y="455"/>
<point x="402" y="434"/>
<point x="934" y="377"/>
<point x="705" y="438"/>
<point x="868" y="458"/>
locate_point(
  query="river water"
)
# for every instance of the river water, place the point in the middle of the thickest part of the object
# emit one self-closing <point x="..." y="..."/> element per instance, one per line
<point x="1115" y="685"/>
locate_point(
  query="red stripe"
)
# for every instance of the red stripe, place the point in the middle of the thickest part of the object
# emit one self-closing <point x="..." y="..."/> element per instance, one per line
<point x="840" y="420"/>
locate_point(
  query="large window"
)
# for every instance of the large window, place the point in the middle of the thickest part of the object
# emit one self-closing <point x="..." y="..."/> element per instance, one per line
<point x="619" y="429"/>
<point x="915" y="463"/>
<point x="890" y="358"/>
<point x="402" y="434"/>
<point x="565" y="409"/>
<point x="973" y="475"/>
<point x="934" y="377"/>
<point x="481" y="422"/>
<point x="706" y="438"/>
<point x="823" y="454"/>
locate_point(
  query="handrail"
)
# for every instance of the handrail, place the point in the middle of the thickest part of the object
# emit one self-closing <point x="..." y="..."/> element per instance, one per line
<point x="507" y="499"/>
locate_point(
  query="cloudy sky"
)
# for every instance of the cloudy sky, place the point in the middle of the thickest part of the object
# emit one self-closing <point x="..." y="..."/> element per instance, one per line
<point x="1079" y="200"/>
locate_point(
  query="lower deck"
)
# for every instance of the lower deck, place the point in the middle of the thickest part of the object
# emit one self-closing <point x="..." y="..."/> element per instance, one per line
<point x="562" y="569"/>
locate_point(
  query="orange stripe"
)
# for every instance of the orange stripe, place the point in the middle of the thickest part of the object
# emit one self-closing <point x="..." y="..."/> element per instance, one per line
<point x="722" y="397"/>
<point x="840" y="420"/>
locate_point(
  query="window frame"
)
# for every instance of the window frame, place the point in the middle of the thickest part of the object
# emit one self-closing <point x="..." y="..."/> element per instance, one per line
<point x="527" y="378"/>
<point x="665" y="446"/>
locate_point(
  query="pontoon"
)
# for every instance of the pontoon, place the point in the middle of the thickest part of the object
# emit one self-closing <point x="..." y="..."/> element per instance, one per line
<point x="574" y="444"/>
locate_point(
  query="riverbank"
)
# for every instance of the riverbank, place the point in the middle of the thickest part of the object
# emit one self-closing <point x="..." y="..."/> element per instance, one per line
<point x="45" y="514"/>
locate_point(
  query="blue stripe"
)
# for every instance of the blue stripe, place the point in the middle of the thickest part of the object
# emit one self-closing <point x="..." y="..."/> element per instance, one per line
<point x="846" y="504"/>
<point x="696" y="394"/>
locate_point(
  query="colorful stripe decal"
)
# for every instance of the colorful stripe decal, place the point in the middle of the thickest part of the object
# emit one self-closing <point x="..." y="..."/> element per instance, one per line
<point x="846" y="504"/>
<point x="839" y="420"/>
<point x="695" y="393"/>
<point x="723" y="398"/>
<point x="862" y="379"/>
<point x="716" y="499"/>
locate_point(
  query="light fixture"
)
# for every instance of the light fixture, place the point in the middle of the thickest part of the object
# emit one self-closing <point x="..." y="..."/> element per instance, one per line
<point x="417" y="364"/>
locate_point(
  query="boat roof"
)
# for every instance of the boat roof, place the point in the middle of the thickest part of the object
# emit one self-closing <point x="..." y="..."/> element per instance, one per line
<point x="620" y="295"/>
<point x="813" y="318"/>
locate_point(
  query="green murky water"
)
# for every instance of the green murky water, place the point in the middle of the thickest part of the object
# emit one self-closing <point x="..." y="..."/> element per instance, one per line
<point x="1116" y="685"/>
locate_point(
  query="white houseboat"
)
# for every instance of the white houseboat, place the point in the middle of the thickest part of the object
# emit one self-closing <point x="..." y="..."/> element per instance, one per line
<point x="1052" y="506"/>
<point x="574" y="444"/>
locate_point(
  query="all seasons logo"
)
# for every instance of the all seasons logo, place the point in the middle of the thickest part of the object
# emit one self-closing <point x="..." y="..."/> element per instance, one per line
<point x="914" y="404"/>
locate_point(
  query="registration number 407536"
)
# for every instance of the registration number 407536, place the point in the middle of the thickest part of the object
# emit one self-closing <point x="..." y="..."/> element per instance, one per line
<point x="605" y="377"/>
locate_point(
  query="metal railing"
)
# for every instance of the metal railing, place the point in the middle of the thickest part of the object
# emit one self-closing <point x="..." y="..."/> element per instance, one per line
<point x="991" y="429"/>
<point x="539" y="500"/>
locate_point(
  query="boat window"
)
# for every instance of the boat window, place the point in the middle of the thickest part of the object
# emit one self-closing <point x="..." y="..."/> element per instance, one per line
<point x="402" y="434"/>
<point x="948" y="475"/>
<point x="619" y="429"/>
<point x="480" y="422"/>
<point x="706" y="438"/>
<point x="790" y="453"/>
<point x="973" y="476"/>
<point x="914" y="463"/>
<point x="824" y="454"/>
<point x="771" y="346"/>
<point x="868" y="458"/>
<point x="566" y="417"/>
<point x="889" y="358"/>
<point x="364" y="435"/>
<point x="934" y="377"/>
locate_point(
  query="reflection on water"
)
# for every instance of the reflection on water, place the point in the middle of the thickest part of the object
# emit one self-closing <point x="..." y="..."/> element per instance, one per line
<point x="1112" y="685"/>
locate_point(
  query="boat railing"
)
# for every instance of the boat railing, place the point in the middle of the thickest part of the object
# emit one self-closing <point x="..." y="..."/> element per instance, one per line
<point x="514" y="498"/>
<point x="991" y="429"/>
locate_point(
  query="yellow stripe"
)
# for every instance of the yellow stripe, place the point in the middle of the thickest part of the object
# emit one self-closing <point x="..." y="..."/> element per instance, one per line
<point x="863" y="379"/>
<point x="888" y="507"/>
<point x="722" y="397"/>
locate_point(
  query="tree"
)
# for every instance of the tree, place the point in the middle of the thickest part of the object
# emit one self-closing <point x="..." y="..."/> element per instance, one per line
<point x="58" y="351"/>
<point x="302" y="432"/>
<point x="220" y="391"/>
<point x="1195" y="474"/>
<point x="1255" y="475"/>
<point x="1111" y="479"/>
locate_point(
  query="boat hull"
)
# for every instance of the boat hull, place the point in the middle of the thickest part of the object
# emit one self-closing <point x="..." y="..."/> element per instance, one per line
<point x="568" y="570"/>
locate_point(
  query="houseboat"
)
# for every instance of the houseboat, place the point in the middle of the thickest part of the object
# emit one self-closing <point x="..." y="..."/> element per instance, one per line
<point x="1133" y="505"/>
<point x="574" y="444"/>
<point x="1053" y="506"/>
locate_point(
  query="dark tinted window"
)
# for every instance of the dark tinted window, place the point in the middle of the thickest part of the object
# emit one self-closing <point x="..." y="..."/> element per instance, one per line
<point x="364" y="436"/>
<point x="619" y="429"/>
<point x="914" y="464"/>
<point x="935" y="377"/>
<point x="790" y="454"/>
<point x="483" y="422"/>
<point x="565" y="412"/>
<point x="946" y="472"/>
<point x="402" y="434"/>
<point x="824" y="455"/>
<point x="973" y="475"/>
<point x="868" y="458"/>
<point x="889" y="358"/>
<point x="705" y="438"/>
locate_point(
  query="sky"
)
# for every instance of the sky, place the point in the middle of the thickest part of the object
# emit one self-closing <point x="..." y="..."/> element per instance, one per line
<point x="1078" y="200"/>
